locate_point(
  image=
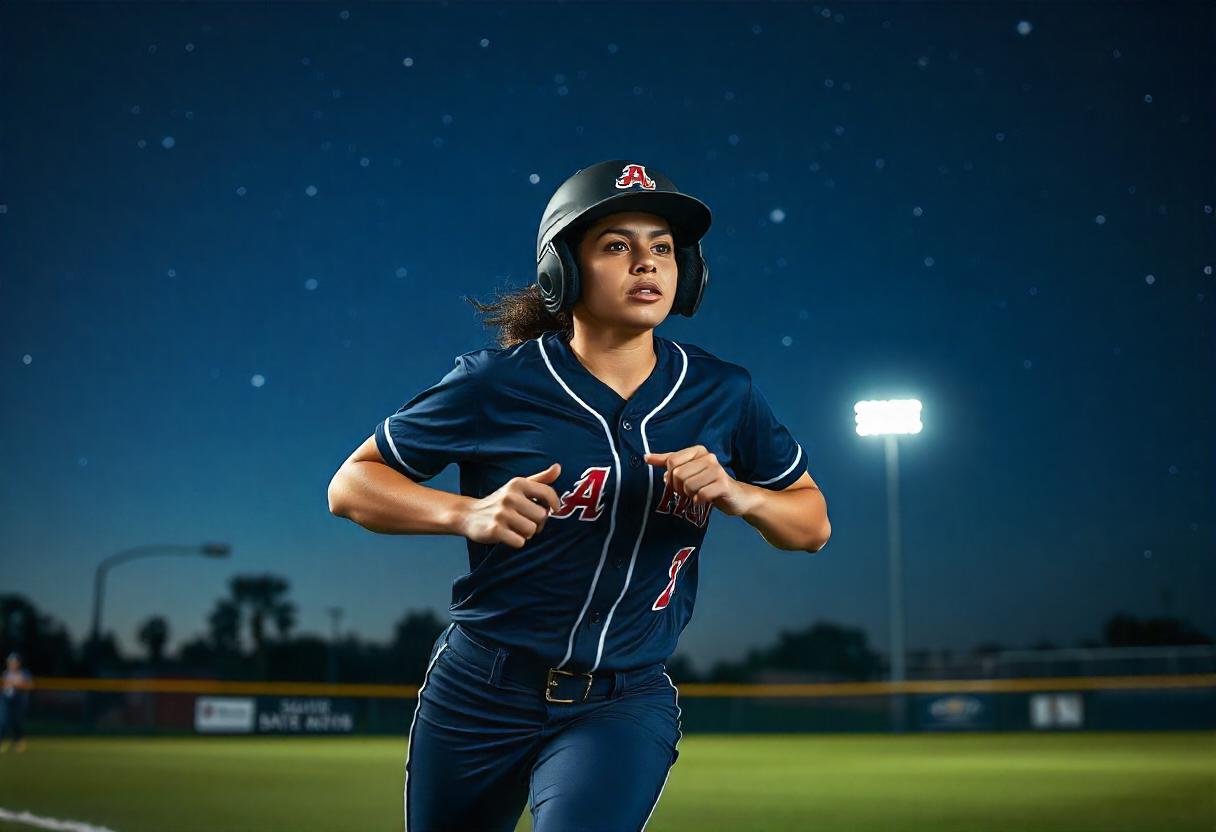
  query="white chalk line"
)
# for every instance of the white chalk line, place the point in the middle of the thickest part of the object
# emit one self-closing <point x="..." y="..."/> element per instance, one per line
<point x="51" y="823"/>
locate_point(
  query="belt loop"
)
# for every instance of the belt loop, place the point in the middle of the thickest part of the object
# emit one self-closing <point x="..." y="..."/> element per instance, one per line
<point x="619" y="683"/>
<point x="500" y="656"/>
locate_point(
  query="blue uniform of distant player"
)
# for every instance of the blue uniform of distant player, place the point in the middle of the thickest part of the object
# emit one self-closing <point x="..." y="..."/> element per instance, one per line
<point x="549" y="685"/>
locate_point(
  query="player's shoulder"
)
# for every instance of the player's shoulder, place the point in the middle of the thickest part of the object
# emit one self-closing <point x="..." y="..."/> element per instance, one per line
<point x="705" y="363"/>
<point x="493" y="361"/>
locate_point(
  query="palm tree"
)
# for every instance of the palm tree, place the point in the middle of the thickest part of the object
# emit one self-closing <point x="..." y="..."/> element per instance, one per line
<point x="153" y="634"/>
<point x="225" y="621"/>
<point x="263" y="597"/>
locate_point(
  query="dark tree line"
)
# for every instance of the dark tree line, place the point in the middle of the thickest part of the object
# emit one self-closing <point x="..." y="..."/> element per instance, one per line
<point x="250" y="634"/>
<point x="823" y="651"/>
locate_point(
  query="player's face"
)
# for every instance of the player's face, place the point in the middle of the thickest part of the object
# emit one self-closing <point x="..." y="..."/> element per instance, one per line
<point x="628" y="266"/>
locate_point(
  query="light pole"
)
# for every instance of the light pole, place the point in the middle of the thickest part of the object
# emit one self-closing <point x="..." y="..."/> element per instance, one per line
<point x="335" y="618"/>
<point x="208" y="550"/>
<point x="889" y="419"/>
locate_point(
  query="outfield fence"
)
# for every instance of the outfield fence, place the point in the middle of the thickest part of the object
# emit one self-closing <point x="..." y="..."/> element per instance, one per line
<point x="1069" y="703"/>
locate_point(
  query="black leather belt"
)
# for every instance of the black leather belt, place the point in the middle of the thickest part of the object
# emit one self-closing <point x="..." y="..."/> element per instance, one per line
<point x="561" y="686"/>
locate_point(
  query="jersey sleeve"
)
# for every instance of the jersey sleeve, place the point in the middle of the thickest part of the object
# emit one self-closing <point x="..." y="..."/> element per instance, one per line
<point x="765" y="452"/>
<point x="435" y="428"/>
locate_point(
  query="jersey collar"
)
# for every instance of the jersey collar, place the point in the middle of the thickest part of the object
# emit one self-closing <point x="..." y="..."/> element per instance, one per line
<point x="598" y="395"/>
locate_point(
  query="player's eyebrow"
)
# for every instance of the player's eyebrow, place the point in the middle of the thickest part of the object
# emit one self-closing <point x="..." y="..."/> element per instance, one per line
<point x="625" y="232"/>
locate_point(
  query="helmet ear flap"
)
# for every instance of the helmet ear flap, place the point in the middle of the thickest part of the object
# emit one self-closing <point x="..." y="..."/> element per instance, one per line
<point x="558" y="277"/>
<point x="693" y="276"/>
<point x="574" y="280"/>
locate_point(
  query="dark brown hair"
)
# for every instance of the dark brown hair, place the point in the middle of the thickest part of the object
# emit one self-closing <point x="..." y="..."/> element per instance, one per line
<point x="520" y="315"/>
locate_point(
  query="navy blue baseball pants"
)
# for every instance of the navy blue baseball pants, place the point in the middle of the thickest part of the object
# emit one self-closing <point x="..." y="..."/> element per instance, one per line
<point x="482" y="745"/>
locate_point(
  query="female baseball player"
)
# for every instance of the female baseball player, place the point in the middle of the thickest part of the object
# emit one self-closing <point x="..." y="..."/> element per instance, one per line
<point x="591" y="451"/>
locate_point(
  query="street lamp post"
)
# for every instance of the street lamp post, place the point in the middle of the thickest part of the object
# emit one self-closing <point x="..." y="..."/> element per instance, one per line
<point x="335" y="617"/>
<point x="888" y="419"/>
<point x="209" y="550"/>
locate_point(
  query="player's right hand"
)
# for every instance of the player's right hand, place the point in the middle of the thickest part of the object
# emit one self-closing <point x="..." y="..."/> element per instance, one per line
<point x="514" y="513"/>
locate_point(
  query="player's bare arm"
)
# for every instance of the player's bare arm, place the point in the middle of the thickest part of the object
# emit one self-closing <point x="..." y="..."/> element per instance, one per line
<point x="368" y="492"/>
<point x="794" y="519"/>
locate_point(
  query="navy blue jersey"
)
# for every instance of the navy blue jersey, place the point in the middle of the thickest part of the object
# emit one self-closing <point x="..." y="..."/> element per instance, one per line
<point x="610" y="581"/>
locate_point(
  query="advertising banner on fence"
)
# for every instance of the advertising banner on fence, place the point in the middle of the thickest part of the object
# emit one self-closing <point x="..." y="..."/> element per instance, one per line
<point x="955" y="712"/>
<point x="1057" y="710"/>
<point x="223" y="715"/>
<point x="305" y="715"/>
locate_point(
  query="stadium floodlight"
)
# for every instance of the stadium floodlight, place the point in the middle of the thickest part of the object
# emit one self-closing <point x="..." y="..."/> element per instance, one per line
<point x="208" y="550"/>
<point x="890" y="419"/>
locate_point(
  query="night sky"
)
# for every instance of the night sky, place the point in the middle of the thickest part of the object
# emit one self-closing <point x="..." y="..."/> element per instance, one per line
<point x="235" y="237"/>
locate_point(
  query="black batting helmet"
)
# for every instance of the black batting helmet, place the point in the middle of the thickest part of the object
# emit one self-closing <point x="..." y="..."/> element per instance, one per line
<point x="609" y="188"/>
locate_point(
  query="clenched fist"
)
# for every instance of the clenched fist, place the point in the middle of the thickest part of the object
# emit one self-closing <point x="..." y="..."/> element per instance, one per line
<point x="514" y="513"/>
<point x="696" y="473"/>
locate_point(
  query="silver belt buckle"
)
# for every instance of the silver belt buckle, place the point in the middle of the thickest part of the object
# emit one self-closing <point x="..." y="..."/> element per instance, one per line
<point x="551" y="683"/>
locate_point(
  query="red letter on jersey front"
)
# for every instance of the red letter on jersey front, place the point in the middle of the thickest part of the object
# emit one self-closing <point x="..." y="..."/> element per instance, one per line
<point x="586" y="497"/>
<point x="681" y="506"/>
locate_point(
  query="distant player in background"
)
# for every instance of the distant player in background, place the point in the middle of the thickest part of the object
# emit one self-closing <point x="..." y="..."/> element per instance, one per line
<point x="13" y="700"/>
<point x="591" y="452"/>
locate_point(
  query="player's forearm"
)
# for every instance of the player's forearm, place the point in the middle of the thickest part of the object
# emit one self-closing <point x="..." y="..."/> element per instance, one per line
<point x="381" y="500"/>
<point x="793" y="520"/>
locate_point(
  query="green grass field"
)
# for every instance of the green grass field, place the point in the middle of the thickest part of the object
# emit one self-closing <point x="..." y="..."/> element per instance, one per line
<point x="1074" y="782"/>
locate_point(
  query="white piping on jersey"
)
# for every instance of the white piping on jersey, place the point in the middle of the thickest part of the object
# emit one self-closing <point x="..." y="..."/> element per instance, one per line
<point x="616" y="495"/>
<point x="679" y="714"/>
<point x="786" y="471"/>
<point x="393" y="446"/>
<point x="599" y="652"/>
<point x="409" y="746"/>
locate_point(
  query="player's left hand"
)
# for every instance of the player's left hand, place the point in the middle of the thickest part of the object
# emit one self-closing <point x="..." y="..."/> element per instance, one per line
<point x="698" y="474"/>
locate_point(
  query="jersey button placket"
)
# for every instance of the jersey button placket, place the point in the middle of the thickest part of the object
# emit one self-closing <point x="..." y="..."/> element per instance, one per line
<point x="627" y="529"/>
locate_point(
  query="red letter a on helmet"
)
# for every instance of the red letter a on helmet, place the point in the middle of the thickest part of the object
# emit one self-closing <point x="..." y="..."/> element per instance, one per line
<point x="634" y="174"/>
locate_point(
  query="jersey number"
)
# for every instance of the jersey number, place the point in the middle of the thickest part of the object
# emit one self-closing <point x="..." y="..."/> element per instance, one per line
<point x="678" y="561"/>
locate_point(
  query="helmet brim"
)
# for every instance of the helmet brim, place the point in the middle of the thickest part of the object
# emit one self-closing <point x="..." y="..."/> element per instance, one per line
<point x="688" y="216"/>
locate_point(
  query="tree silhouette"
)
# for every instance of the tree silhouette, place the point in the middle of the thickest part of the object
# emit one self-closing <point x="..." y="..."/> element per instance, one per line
<point x="413" y="637"/>
<point x="680" y="669"/>
<point x="225" y="623"/>
<point x="42" y="641"/>
<point x="1125" y="630"/>
<point x="823" y="650"/>
<point x="262" y="597"/>
<point x="153" y="634"/>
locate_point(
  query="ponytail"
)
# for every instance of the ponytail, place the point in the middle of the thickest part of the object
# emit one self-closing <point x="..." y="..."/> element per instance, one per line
<point x="520" y="315"/>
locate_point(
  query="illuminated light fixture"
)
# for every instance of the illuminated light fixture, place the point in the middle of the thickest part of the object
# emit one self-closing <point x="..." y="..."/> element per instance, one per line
<point x="888" y="417"/>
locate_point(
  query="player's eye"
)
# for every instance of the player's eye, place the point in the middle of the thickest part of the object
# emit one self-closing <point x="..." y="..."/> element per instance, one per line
<point x="664" y="248"/>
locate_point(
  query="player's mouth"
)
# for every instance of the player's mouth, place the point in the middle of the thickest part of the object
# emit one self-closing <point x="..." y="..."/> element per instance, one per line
<point x="645" y="291"/>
